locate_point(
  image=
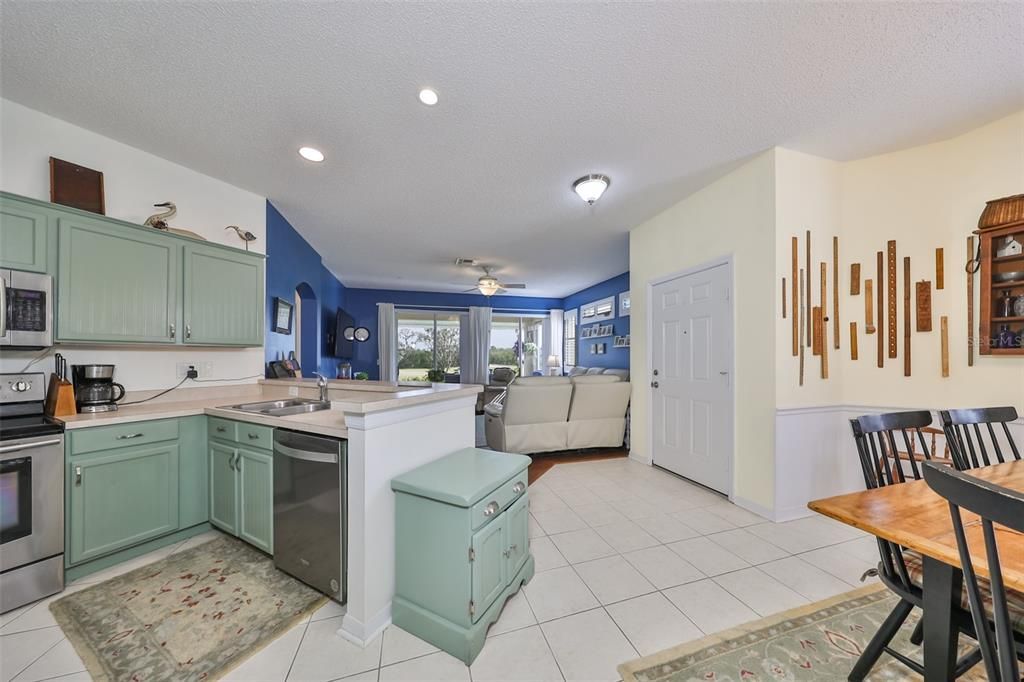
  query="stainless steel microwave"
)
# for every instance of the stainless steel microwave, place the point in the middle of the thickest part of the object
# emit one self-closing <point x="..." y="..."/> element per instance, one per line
<point x="26" y="316"/>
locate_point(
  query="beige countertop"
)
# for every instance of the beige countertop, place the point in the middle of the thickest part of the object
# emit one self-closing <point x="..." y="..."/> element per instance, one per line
<point x="326" y="422"/>
<point x="346" y="397"/>
<point x="362" y="397"/>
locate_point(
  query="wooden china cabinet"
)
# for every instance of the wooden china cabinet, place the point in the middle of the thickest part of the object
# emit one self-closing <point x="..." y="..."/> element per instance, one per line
<point x="1001" y="235"/>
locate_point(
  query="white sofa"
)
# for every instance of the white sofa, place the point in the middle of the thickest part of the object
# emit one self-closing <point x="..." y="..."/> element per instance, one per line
<point x="547" y="414"/>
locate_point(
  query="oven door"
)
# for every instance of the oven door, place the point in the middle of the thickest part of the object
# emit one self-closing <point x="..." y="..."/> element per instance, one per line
<point x="31" y="500"/>
<point x="26" y="309"/>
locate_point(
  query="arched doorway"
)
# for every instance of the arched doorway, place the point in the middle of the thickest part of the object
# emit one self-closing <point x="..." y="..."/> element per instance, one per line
<point x="307" y="329"/>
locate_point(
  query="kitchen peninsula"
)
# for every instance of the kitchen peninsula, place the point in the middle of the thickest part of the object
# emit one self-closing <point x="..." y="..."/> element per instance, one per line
<point x="390" y="429"/>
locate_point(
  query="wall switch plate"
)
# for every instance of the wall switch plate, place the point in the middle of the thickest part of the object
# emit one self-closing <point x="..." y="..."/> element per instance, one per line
<point x="293" y="390"/>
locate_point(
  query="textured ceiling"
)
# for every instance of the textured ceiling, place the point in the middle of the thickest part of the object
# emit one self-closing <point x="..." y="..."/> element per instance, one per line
<point x="661" y="96"/>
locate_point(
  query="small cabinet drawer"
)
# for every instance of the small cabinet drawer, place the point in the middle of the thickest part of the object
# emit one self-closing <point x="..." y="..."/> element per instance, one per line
<point x="255" y="436"/>
<point x="109" y="437"/>
<point x="223" y="429"/>
<point x="500" y="498"/>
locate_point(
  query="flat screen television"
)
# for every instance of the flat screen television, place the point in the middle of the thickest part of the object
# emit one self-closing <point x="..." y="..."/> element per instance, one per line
<point x="342" y="347"/>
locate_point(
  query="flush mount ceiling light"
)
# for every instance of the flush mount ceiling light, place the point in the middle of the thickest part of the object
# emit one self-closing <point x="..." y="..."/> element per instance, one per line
<point x="311" y="154"/>
<point x="428" y="97"/>
<point x="591" y="187"/>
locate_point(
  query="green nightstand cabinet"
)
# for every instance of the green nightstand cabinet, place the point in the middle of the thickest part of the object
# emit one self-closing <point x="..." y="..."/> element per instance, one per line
<point x="461" y="546"/>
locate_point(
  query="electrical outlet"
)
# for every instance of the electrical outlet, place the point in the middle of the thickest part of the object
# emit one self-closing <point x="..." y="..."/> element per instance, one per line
<point x="204" y="369"/>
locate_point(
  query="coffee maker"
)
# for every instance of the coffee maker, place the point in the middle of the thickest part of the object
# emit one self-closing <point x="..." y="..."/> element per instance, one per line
<point x="95" y="388"/>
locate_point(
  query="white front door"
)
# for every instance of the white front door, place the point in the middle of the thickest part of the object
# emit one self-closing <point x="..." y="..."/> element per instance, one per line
<point x="691" y="376"/>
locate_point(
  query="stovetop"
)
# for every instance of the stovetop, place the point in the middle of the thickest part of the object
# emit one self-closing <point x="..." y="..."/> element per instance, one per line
<point x="28" y="426"/>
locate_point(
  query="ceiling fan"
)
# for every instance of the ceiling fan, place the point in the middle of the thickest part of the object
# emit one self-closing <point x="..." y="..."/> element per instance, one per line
<point x="487" y="284"/>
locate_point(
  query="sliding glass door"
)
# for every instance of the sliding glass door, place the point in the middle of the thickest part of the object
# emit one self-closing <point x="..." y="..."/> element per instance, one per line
<point x="427" y="340"/>
<point x="517" y="342"/>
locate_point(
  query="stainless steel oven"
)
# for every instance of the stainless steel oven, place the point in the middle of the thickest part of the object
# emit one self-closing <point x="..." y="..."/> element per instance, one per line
<point x="31" y="494"/>
<point x="26" y="309"/>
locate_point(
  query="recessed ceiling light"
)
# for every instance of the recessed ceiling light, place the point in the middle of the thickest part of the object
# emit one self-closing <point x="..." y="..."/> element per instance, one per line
<point x="428" y="97"/>
<point x="311" y="154"/>
<point x="591" y="187"/>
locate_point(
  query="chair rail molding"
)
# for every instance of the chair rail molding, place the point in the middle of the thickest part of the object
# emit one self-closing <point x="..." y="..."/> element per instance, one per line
<point x="815" y="455"/>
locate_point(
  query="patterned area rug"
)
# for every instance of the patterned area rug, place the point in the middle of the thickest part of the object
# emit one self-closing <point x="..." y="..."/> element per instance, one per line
<point x="194" y="615"/>
<point x="819" y="642"/>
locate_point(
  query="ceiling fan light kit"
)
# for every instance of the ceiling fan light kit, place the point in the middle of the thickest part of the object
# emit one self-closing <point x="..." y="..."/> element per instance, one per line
<point x="591" y="187"/>
<point x="487" y="284"/>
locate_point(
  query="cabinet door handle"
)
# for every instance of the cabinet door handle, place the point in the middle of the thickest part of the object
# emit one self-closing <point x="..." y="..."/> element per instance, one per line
<point x="253" y="436"/>
<point x="78" y="475"/>
<point x="188" y="331"/>
<point x="491" y="509"/>
<point x="221" y="429"/>
<point x="518" y="487"/>
<point x="129" y="436"/>
<point x="231" y="461"/>
<point x="172" y="330"/>
<point x="238" y="459"/>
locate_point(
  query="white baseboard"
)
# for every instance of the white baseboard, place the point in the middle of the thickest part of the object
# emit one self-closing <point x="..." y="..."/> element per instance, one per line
<point x="753" y="507"/>
<point x="364" y="633"/>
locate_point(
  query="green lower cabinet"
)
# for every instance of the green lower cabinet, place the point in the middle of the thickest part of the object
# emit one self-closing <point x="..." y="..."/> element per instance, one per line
<point x="242" y="483"/>
<point x="461" y="546"/>
<point x="121" y="498"/>
<point x="256" y="498"/>
<point x="193" y="472"/>
<point x="223" y="488"/>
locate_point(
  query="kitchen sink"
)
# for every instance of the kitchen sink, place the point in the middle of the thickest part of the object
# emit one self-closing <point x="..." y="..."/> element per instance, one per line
<point x="283" y="408"/>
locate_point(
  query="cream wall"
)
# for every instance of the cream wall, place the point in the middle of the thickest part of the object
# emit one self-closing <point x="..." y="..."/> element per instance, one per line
<point x="925" y="197"/>
<point x="734" y="215"/>
<point x="807" y="197"/>
<point x="133" y="181"/>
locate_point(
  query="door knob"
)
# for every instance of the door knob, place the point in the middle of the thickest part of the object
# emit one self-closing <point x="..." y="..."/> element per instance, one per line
<point x="654" y="384"/>
<point x="723" y="373"/>
<point x="655" y="372"/>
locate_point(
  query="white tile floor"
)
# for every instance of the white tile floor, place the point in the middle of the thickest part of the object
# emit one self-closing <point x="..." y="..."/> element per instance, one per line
<point x="630" y="560"/>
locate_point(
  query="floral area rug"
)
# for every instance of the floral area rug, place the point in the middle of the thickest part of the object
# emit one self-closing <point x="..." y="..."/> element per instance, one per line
<point x="194" y="615"/>
<point x="819" y="642"/>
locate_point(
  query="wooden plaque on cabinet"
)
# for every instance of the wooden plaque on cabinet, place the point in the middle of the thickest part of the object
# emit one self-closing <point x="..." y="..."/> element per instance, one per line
<point x="76" y="186"/>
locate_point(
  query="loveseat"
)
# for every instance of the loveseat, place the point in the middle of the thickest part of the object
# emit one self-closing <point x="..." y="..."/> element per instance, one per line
<point x="547" y="414"/>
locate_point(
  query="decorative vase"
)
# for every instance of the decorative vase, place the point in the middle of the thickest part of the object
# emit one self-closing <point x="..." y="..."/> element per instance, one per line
<point x="1018" y="306"/>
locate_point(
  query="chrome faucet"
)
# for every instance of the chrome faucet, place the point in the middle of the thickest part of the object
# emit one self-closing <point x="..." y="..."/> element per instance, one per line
<point x="321" y="383"/>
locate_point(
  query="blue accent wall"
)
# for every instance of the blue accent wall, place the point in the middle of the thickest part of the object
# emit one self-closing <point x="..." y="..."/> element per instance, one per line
<point x="292" y="262"/>
<point x="613" y="357"/>
<point x="361" y="304"/>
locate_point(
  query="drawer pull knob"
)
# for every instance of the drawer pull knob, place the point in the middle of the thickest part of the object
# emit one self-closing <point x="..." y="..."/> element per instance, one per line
<point x="221" y="429"/>
<point x="518" y="487"/>
<point x="78" y="475"/>
<point x="128" y="436"/>
<point x="491" y="509"/>
<point x="253" y="436"/>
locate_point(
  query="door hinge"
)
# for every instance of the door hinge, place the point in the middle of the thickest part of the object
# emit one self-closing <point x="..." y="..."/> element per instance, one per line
<point x="472" y="554"/>
<point x="472" y="607"/>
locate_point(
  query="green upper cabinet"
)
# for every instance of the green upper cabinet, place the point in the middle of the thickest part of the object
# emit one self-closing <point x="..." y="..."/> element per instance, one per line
<point x="27" y="237"/>
<point x="116" y="283"/>
<point x="223" y="302"/>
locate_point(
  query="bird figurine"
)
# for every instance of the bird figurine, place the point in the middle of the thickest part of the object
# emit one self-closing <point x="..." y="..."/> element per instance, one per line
<point x="159" y="220"/>
<point x="245" y="235"/>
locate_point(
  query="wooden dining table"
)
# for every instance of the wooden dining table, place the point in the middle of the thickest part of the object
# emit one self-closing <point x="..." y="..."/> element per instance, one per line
<point x="914" y="516"/>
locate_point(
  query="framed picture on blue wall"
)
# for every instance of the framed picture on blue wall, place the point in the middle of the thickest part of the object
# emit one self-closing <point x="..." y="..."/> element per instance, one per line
<point x="282" y="316"/>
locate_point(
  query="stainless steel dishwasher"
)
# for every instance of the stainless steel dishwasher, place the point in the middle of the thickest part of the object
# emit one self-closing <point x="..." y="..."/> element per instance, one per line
<point x="310" y="510"/>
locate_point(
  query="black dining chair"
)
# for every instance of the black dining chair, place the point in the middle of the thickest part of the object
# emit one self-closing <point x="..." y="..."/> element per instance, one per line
<point x="998" y="613"/>
<point x="887" y="447"/>
<point x="974" y="439"/>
